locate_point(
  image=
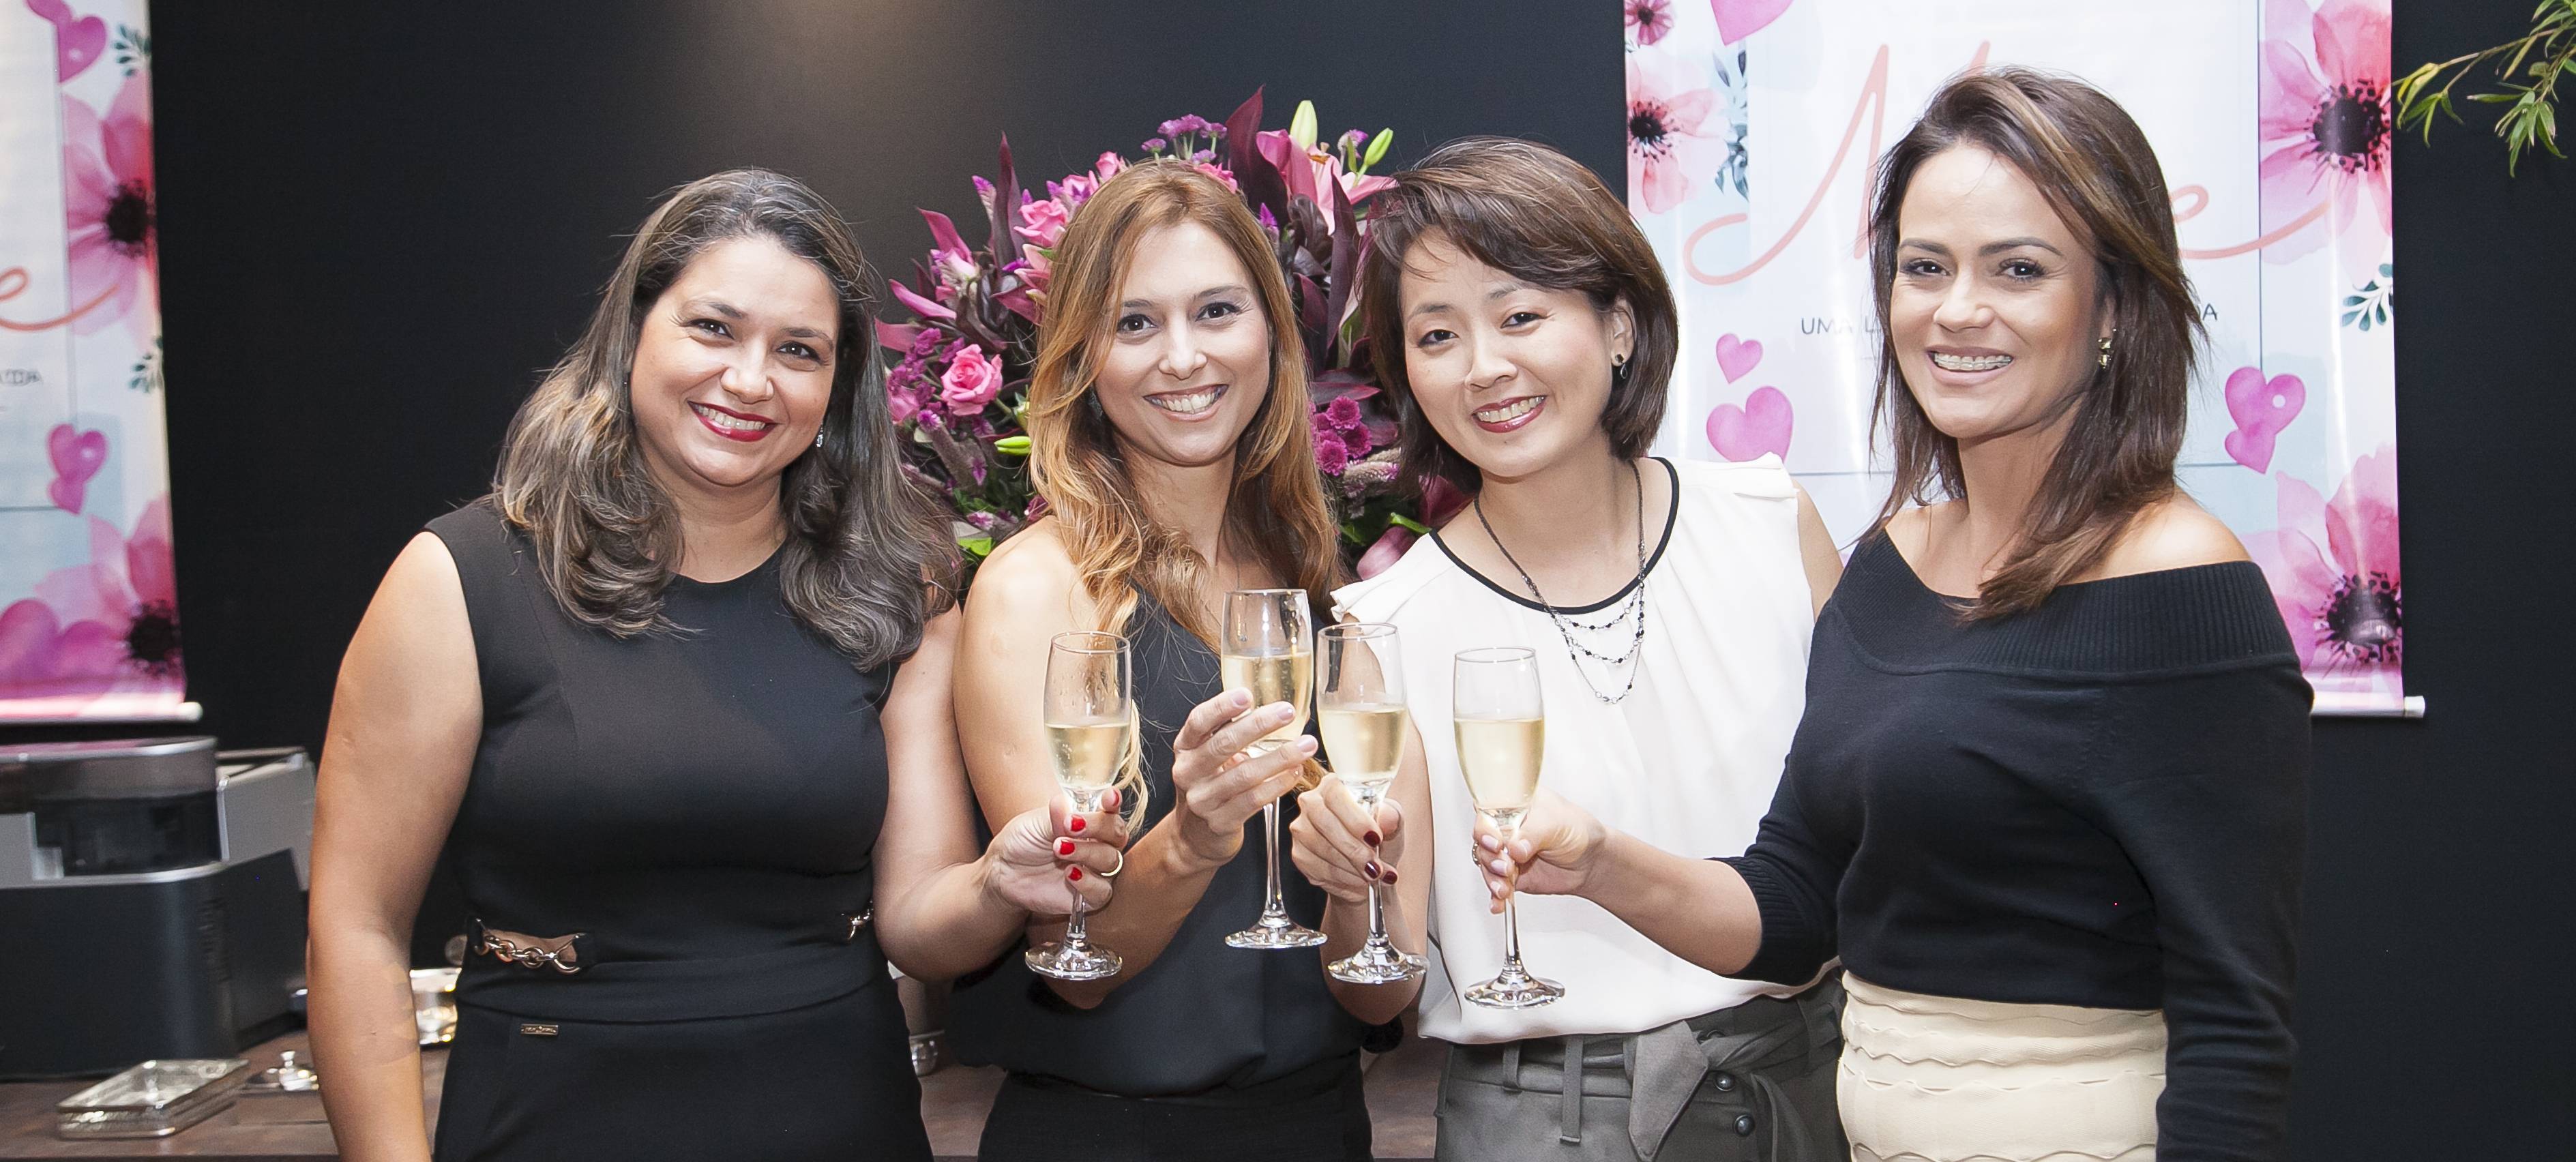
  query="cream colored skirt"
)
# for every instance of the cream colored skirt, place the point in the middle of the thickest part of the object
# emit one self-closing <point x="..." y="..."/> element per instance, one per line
<point x="1941" y="1079"/>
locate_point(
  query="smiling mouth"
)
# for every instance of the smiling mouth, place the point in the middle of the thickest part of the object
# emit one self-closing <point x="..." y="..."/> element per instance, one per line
<point x="1948" y="362"/>
<point x="1506" y="412"/>
<point x="731" y="425"/>
<point x="1188" y="403"/>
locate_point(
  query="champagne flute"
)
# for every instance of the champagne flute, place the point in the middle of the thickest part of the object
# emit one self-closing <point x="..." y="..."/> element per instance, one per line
<point x="1267" y="648"/>
<point x="1359" y="706"/>
<point x="1502" y="732"/>
<point x="1089" y="713"/>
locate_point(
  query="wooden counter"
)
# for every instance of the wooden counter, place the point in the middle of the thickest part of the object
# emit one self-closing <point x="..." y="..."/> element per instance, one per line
<point x="1403" y="1088"/>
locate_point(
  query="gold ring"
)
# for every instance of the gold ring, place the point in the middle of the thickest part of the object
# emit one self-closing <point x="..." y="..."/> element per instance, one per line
<point x="1121" y="853"/>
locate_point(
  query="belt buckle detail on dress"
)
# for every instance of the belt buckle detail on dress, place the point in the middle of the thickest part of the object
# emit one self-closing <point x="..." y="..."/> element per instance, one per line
<point x="557" y="952"/>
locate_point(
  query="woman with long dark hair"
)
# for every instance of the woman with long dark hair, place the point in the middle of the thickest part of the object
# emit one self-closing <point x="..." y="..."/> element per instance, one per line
<point x="675" y="698"/>
<point x="1168" y="417"/>
<point x="2047" y="801"/>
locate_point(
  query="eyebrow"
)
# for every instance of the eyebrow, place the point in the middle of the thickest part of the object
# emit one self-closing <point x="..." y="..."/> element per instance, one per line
<point x="730" y="311"/>
<point x="1988" y="248"/>
<point x="1491" y="295"/>
<point x="1232" y="288"/>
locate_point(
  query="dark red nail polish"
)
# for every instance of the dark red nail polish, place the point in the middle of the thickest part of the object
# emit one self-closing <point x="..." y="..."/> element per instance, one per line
<point x="1371" y="837"/>
<point x="1390" y="877"/>
<point x="1064" y="847"/>
<point x="1371" y="869"/>
<point x="1074" y="873"/>
<point x="1078" y="824"/>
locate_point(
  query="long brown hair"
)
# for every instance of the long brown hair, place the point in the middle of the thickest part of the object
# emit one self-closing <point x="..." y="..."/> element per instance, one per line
<point x="1541" y="217"/>
<point x="1275" y="511"/>
<point x="861" y="540"/>
<point x="2094" y="166"/>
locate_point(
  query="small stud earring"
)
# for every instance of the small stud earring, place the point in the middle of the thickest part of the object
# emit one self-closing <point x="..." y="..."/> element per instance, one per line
<point x="2105" y="358"/>
<point x="818" y="437"/>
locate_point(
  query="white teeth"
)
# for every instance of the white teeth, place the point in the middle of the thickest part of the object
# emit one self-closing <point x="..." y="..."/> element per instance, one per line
<point x="731" y="423"/>
<point x="1186" y="405"/>
<point x="1510" y="411"/>
<point x="1969" y="362"/>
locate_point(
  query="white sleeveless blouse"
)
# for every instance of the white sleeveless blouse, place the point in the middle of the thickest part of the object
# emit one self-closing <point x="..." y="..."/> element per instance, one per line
<point x="1687" y="762"/>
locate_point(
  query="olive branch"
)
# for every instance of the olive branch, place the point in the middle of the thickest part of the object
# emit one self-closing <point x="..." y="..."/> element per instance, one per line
<point x="2545" y="56"/>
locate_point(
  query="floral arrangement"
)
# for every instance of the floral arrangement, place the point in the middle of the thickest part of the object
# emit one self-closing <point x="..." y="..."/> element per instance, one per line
<point x="958" y="391"/>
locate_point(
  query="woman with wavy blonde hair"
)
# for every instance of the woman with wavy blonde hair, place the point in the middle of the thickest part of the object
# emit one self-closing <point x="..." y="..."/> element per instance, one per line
<point x="1168" y="414"/>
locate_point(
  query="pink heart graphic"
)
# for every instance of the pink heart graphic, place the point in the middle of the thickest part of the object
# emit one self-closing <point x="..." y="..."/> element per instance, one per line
<point x="1737" y="19"/>
<point x="76" y="456"/>
<point x="1761" y="425"/>
<point x="1737" y="356"/>
<point x="2261" y="409"/>
<point x="77" y="43"/>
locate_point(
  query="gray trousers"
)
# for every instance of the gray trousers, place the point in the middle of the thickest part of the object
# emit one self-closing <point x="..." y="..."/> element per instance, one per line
<point x="1754" y="1083"/>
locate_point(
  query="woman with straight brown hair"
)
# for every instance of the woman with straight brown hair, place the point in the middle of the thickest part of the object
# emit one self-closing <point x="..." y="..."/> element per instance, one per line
<point x="674" y="701"/>
<point x="1168" y="419"/>
<point x="2047" y="801"/>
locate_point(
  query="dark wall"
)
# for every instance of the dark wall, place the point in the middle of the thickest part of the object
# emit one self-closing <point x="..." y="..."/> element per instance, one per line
<point x="381" y="220"/>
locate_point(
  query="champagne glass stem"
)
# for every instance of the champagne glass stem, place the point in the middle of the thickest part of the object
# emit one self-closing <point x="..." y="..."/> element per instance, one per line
<point x="1271" y="903"/>
<point x="1376" y="906"/>
<point x="1512" y="937"/>
<point x="1076" y="936"/>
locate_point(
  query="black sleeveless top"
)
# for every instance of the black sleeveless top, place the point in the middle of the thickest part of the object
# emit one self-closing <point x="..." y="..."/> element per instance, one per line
<point x="1204" y="1016"/>
<point x="704" y="803"/>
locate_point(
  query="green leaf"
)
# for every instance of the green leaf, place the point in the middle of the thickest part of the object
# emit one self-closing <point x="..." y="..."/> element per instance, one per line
<point x="2387" y="270"/>
<point x="978" y="547"/>
<point x="1397" y="518"/>
<point x="2352" y="300"/>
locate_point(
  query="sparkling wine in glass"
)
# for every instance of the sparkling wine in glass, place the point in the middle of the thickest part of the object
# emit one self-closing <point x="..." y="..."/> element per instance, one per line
<point x="1502" y="734"/>
<point x="1089" y="715"/>
<point x="1359" y="708"/>
<point x="1267" y="647"/>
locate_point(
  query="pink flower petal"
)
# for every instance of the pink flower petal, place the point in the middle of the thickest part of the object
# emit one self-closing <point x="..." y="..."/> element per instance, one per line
<point x="1685" y="113"/>
<point x="2361" y="525"/>
<point x="2288" y="20"/>
<point x="2301" y="583"/>
<point x="2352" y="42"/>
<point x="2290" y="92"/>
<point x="2292" y="179"/>
<point x="1665" y="186"/>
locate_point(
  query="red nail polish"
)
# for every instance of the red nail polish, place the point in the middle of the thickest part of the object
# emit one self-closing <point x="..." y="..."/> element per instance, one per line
<point x="1390" y="877"/>
<point x="1078" y="824"/>
<point x="1064" y="847"/>
<point x="1371" y="838"/>
<point x="1074" y="873"/>
<point x="1372" y="869"/>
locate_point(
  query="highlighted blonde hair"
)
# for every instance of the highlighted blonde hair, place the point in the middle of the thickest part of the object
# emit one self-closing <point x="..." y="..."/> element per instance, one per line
<point x="1276" y="511"/>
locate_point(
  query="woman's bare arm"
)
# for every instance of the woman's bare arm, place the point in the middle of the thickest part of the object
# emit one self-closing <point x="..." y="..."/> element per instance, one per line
<point x="405" y="721"/>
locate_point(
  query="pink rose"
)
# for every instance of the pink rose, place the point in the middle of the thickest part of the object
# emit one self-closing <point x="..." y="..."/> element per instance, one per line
<point x="902" y="404"/>
<point x="1108" y="166"/>
<point x="1042" y="221"/>
<point x="971" y="381"/>
<point x="1212" y="170"/>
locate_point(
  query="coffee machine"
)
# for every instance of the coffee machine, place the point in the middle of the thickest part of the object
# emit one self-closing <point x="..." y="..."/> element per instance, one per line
<point x="151" y="901"/>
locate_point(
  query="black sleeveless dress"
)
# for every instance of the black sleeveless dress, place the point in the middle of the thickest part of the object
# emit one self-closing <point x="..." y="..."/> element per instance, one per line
<point x="702" y="805"/>
<point x="1211" y="1051"/>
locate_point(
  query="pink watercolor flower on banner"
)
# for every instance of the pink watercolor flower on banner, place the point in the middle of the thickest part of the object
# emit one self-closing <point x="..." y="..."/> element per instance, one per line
<point x="115" y="618"/>
<point x="1668" y="152"/>
<point x="2335" y="574"/>
<point x="108" y="200"/>
<point x="2326" y="123"/>
<point x="972" y="380"/>
<point x="1648" y="20"/>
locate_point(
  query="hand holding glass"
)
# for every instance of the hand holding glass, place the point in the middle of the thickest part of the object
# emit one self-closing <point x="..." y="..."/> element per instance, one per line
<point x="1267" y="647"/>
<point x="1502" y="734"/>
<point x="1089" y="718"/>
<point x="1359" y="707"/>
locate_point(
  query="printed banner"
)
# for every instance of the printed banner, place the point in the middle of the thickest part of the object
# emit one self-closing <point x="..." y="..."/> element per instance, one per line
<point x="1753" y="129"/>
<point x="88" y="609"/>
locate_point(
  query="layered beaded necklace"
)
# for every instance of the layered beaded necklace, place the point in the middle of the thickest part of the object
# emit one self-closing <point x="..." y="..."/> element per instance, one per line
<point x="1634" y="607"/>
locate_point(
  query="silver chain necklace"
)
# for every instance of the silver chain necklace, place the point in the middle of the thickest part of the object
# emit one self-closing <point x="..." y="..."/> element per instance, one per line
<point x="1634" y="606"/>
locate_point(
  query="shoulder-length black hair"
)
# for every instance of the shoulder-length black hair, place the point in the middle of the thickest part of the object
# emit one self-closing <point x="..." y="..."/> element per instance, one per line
<point x="862" y="541"/>
<point x="1541" y="217"/>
